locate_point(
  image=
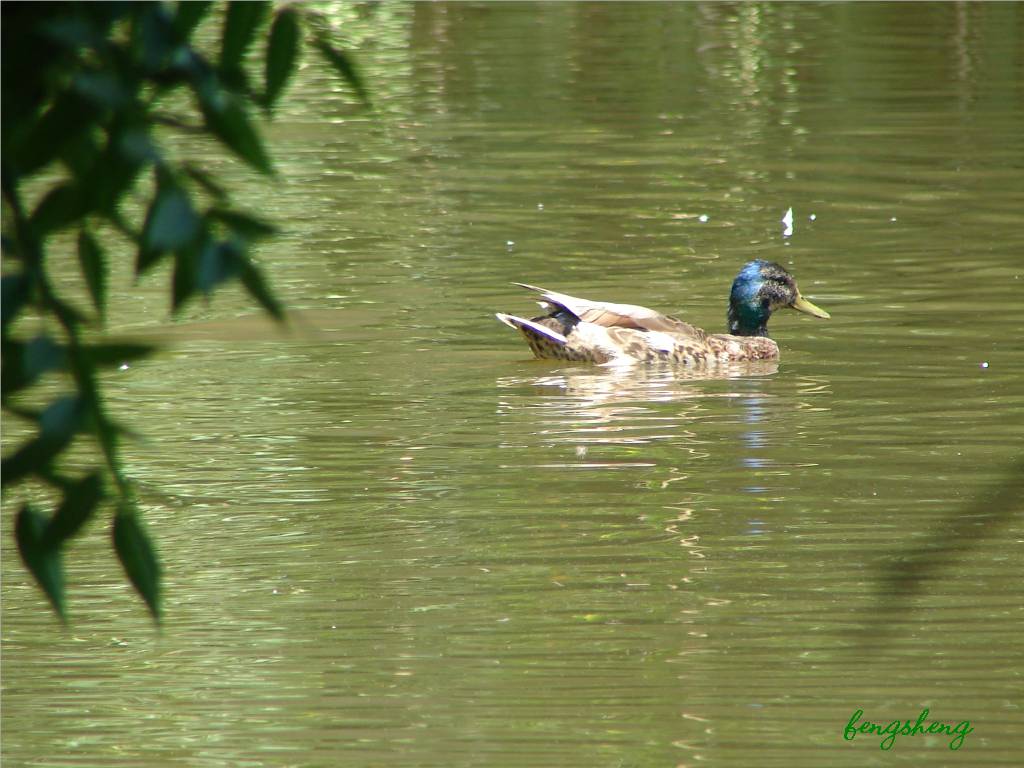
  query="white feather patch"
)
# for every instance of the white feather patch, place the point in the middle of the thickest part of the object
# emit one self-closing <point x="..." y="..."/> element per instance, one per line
<point x="660" y="341"/>
<point x="595" y="336"/>
<point x="521" y="322"/>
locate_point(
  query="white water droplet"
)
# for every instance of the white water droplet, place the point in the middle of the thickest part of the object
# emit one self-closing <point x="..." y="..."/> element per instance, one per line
<point x="787" y="223"/>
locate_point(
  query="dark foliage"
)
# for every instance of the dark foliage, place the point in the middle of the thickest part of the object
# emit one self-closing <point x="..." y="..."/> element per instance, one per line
<point x="82" y="92"/>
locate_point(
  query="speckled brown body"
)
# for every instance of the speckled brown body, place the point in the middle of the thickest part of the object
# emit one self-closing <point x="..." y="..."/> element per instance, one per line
<point x="547" y="348"/>
<point x="690" y="345"/>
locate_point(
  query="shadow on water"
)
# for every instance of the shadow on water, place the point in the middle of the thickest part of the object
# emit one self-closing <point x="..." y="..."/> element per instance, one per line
<point x="959" y="533"/>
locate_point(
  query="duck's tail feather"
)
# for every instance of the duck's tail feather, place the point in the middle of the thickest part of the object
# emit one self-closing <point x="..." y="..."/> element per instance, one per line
<point x="529" y="328"/>
<point x="557" y="303"/>
<point x="529" y="287"/>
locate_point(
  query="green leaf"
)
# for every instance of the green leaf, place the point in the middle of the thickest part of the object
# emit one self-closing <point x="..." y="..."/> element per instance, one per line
<point x="104" y="89"/>
<point x="174" y="223"/>
<point x="340" y="61"/>
<point x="282" y="52"/>
<point x="61" y="206"/>
<point x="128" y="150"/>
<point x="244" y="225"/>
<point x="68" y="118"/>
<point x="134" y="147"/>
<point x="80" y="154"/>
<point x="94" y="267"/>
<point x="218" y="263"/>
<point x="61" y="419"/>
<point x="107" y="435"/>
<point x="58" y="423"/>
<point x="185" y="281"/>
<point x="80" y="501"/>
<point x="42" y="559"/>
<point x="102" y="355"/>
<point x="153" y="36"/>
<point x="256" y="285"/>
<point x="42" y="355"/>
<point x="15" y="292"/>
<point x="171" y="224"/>
<point x="189" y="14"/>
<point x="227" y="120"/>
<point x="73" y="30"/>
<point x="138" y="557"/>
<point x="26" y="362"/>
<point x="240" y="27"/>
<point x="206" y="181"/>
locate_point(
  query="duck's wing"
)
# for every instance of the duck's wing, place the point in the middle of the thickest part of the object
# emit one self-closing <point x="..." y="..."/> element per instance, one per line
<point x="611" y="315"/>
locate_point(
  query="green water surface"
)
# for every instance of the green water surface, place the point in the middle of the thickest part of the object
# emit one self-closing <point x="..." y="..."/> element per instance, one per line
<point x="390" y="538"/>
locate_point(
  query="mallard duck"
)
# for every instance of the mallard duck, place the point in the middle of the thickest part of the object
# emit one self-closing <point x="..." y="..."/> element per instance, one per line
<point x="600" y="332"/>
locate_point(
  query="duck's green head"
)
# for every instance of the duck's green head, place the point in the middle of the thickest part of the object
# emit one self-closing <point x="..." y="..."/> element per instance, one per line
<point x="759" y="289"/>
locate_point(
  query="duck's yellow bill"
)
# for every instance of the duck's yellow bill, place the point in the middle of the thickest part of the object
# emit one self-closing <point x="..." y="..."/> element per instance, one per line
<point x="803" y="305"/>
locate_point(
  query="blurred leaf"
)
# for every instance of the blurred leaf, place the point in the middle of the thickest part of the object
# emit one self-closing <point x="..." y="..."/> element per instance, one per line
<point x="134" y="146"/>
<point x="25" y="362"/>
<point x="221" y="261"/>
<point x="42" y="560"/>
<point x="61" y="206"/>
<point x="42" y="355"/>
<point x="171" y="224"/>
<point x="188" y="15"/>
<point x="252" y="279"/>
<point x="249" y="227"/>
<point x="23" y="412"/>
<point x="15" y="292"/>
<point x="61" y="419"/>
<point x="37" y="144"/>
<point x="243" y="19"/>
<point x="73" y="31"/>
<point x="153" y="35"/>
<point x="185" y="281"/>
<point x="80" y="155"/>
<point x="80" y="501"/>
<point x="102" y="355"/>
<point x="67" y="314"/>
<point x="282" y="50"/>
<point x="129" y="149"/>
<point x="58" y="423"/>
<point x="136" y="553"/>
<point x="206" y="181"/>
<point x="120" y="430"/>
<point x="107" y="435"/>
<point x="174" y="223"/>
<point x="217" y="264"/>
<point x="104" y="89"/>
<point x="917" y="568"/>
<point x="94" y="267"/>
<point x="229" y="123"/>
<point x="340" y="61"/>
